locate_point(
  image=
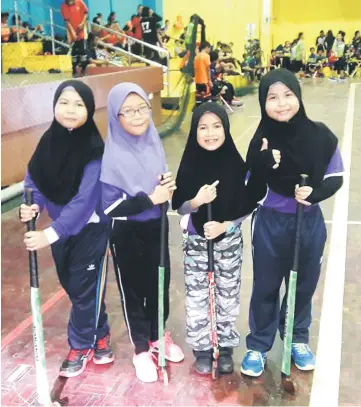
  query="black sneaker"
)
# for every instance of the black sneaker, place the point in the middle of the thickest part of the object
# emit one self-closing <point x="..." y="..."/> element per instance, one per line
<point x="225" y="361"/>
<point x="203" y="363"/>
<point x="103" y="353"/>
<point x="75" y="363"/>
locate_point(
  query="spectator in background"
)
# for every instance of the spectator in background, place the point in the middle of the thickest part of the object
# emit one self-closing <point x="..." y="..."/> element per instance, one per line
<point x="247" y="69"/>
<point x="338" y="50"/>
<point x="134" y="30"/>
<point x="179" y="49"/>
<point x="31" y="33"/>
<point x="220" y="86"/>
<point x="97" y="21"/>
<point x="149" y="26"/>
<point x="188" y="33"/>
<point x="275" y="61"/>
<point x="356" y="41"/>
<point x="202" y="73"/>
<point x="75" y="14"/>
<point x="112" y="37"/>
<point x="312" y="62"/>
<point x="5" y="29"/>
<point x="299" y="55"/>
<point x="17" y="30"/>
<point x="164" y="29"/>
<point x="112" y="18"/>
<point x="320" y="41"/>
<point x="95" y="58"/>
<point x="286" y="56"/>
<point x="140" y="11"/>
<point x="330" y="39"/>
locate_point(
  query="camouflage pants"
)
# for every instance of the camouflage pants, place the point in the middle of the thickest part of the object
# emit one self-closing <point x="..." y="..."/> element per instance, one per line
<point x="228" y="262"/>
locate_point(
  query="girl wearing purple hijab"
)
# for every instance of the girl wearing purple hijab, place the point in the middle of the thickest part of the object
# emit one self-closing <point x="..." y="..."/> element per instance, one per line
<point x="133" y="188"/>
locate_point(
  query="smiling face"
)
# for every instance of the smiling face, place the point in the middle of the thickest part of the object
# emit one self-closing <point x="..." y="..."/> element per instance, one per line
<point x="210" y="132"/>
<point x="134" y="115"/>
<point x="70" y="110"/>
<point x="281" y="103"/>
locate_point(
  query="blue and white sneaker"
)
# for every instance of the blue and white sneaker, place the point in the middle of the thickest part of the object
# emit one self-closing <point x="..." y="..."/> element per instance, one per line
<point x="253" y="363"/>
<point x="302" y="356"/>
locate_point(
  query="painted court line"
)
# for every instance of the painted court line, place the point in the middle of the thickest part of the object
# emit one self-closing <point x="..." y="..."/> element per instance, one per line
<point x="325" y="388"/>
<point x="28" y="321"/>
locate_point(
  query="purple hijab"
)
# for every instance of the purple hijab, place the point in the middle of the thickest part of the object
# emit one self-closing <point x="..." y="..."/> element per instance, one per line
<point x="131" y="163"/>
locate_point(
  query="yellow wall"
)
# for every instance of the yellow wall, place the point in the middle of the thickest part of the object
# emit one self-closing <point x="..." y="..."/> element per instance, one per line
<point x="225" y="21"/>
<point x="311" y="16"/>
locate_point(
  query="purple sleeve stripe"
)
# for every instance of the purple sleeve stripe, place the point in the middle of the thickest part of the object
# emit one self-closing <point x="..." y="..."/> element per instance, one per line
<point x="336" y="164"/>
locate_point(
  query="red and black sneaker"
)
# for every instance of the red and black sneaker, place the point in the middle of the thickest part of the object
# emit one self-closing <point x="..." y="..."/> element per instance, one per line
<point x="75" y="363"/>
<point x="103" y="353"/>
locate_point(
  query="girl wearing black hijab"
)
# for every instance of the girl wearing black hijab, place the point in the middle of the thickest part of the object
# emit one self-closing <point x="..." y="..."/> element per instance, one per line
<point x="64" y="175"/>
<point x="212" y="170"/>
<point x="292" y="145"/>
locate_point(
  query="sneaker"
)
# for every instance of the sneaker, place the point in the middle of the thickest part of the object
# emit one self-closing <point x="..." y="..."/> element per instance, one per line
<point x="145" y="368"/>
<point x="253" y="363"/>
<point x="173" y="352"/>
<point x="236" y="102"/>
<point x="303" y="357"/>
<point x="75" y="363"/>
<point x="103" y="353"/>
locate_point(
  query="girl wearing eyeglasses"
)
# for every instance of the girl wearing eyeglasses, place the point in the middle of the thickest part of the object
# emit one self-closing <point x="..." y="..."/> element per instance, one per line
<point x="135" y="182"/>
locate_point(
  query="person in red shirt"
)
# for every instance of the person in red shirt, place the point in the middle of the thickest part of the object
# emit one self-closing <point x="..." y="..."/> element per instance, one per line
<point x="134" y="29"/>
<point x="75" y="14"/>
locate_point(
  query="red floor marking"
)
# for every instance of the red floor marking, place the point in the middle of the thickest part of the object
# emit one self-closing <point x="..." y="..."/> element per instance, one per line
<point x="28" y="321"/>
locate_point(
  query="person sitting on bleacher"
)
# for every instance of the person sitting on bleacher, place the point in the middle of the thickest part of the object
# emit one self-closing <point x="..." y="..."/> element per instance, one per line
<point x="220" y="86"/>
<point x="353" y="58"/>
<point x="5" y="29"/>
<point x="275" y="60"/>
<point x="247" y="69"/>
<point x="96" y="57"/>
<point x="17" y="31"/>
<point x="321" y="61"/>
<point x="33" y="34"/>
<point x="311" y="63"/>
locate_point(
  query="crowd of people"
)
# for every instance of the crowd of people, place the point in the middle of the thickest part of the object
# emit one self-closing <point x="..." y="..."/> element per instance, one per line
<point x="329" y="51"/>
<point x="100" y="45"/>
<point x="18" y="30"/>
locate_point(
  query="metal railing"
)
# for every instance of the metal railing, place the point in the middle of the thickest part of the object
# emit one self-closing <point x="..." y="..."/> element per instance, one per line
<point x="127" y="52"/>
<point x="130" y="54"/>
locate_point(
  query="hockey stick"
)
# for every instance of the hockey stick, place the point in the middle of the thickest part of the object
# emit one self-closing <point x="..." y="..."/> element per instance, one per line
<point x="161" y="277"/>
<point x="287" y="382"/>
<point x="42" y="384"/>
<point x="212" y="300"/>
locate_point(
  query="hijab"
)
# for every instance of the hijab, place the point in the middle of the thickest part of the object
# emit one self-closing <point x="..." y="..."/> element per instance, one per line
<point x="131" y="163"/>
<point x="306" y="146"/>
<point x="58" y="162"/>
<point x="200" y="166"/>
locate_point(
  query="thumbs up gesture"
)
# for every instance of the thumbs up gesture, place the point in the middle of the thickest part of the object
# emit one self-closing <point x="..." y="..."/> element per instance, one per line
<point x="276" y="153"/>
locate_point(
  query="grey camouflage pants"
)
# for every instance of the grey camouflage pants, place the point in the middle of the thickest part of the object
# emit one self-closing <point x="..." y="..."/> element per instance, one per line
<point x="228" y="262"/>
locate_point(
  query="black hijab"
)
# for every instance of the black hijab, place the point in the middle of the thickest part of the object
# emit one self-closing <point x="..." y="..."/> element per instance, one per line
<point x="306" y="147"/>
<point x="58" y="162"/>
<point x="199" y="167"/>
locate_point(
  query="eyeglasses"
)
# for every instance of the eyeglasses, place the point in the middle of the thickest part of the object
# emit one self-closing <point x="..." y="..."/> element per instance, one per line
<point x="143" y="110"/>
